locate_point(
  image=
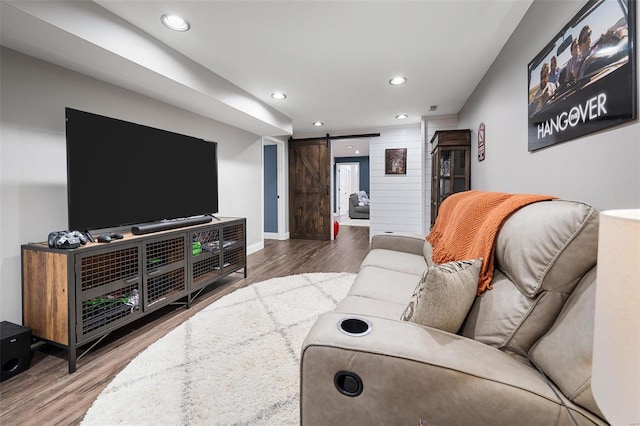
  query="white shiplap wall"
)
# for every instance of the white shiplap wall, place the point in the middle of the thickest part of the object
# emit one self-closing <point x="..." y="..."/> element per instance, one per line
<point x="397" y="200"/>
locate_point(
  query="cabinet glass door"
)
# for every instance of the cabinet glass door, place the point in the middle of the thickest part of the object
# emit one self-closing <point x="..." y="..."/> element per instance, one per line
<point x="447" y="158"/>
<point x="450" y="166"/>
<point x="445" y="189"/>
<point x="459" y="171"/>
<point x="459" y="165"/>
<point x="445" y="164"/>
<point x="452" y="175"/>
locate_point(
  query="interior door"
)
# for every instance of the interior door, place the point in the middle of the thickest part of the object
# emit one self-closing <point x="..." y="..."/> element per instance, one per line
<point x="344" y="188"/>
<point x="309" y="189"/>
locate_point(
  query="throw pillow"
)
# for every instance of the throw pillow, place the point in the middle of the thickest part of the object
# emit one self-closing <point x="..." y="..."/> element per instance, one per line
<point x="363" y="198"/>
<point x="444" y="295"/>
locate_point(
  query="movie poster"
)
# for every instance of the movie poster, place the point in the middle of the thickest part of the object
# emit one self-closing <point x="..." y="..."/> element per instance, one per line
<point x="584" y="80"/>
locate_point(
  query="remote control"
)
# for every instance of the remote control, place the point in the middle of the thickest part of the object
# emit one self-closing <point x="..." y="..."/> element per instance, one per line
<point x="117" y="236"/>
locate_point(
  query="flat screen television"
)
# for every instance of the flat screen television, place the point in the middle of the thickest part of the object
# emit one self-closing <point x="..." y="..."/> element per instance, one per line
<point x="121" y="173"/>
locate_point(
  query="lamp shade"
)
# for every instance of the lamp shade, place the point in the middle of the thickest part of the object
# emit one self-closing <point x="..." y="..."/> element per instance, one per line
<point x="615" y="380"/>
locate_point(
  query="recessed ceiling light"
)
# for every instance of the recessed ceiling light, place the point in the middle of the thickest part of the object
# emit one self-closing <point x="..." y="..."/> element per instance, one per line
<point x="357" y="152"/>
<point x="349" y="146"/>
<point x="278" y="95"/>
<point x="175" y="22"/>
<point x="318" y="123"/>
<point x="401" y="116"/>
<point x="396" y="81"/>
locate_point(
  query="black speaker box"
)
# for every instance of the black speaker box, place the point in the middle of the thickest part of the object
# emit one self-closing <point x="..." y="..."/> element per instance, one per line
<point x="15" y="349"/>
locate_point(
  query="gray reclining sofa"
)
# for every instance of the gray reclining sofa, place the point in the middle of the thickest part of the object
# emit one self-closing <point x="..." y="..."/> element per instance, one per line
<point x="362" y="364"/>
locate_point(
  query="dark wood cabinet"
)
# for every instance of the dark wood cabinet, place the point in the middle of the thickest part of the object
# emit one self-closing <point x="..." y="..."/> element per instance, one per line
<point x="73" y="297"/>
<point x="450" y="166"/>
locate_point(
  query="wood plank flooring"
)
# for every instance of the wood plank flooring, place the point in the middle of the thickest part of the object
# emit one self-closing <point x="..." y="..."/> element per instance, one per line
<point x="47" y="395"/>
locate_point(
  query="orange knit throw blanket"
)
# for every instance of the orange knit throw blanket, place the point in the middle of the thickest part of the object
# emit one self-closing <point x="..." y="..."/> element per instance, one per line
<point x="468" y="223"/>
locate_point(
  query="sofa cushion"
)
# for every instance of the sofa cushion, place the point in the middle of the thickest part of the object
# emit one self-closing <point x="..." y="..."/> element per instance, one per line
<point x="506" y="316"/>
<point x="468" y="224"/>
<point x="401" y="241"/>
<point x="565" y="353"/>
<point x="363" y="198"/>
<point x="384" y="284"/>
<point x="548" y="245"/>
<point x="444" y="295"/>
<point x="395" y="261"/>
<point x="427" y="252"/>
<point x="359" y="305"/>
<point x="542" y="251"/>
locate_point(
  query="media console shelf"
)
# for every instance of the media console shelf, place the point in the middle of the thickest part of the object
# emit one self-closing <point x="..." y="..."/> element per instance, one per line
<point x="73" y="297"/>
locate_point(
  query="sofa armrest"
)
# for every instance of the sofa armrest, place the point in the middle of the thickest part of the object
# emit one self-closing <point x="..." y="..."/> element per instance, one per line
<point x="409" y="372"/>
<point x="408" y="243"/>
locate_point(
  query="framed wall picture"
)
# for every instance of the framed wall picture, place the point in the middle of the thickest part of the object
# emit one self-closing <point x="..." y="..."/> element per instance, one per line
<point x="395" y="161"/>
<point x="585" y="78"/>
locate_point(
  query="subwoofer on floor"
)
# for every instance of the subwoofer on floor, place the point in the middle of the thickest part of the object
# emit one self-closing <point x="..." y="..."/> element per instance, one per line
<point x="15" y="349"/>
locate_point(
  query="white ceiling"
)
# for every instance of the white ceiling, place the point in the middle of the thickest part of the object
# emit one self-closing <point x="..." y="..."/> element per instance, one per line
<point x="333" y="59"/>
<point x="350" y="147"/>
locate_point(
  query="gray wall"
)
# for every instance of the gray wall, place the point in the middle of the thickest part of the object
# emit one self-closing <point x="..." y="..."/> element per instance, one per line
<point x="602" y="169"/>
<point x="33" y="156"/>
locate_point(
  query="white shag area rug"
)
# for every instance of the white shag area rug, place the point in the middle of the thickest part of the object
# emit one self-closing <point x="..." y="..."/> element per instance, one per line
<point x="236" y="362"/>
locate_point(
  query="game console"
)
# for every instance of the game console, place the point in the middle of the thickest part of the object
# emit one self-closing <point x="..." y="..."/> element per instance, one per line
<point x="66" y="239"/>
<point x="107" y="238"/>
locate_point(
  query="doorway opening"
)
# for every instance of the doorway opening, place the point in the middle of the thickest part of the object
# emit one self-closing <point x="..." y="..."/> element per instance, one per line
<point x="312" y="173"/>
<point x="274" y="192"/>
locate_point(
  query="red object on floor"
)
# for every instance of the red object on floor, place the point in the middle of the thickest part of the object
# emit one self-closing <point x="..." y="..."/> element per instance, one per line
<point x="336" y="228"/>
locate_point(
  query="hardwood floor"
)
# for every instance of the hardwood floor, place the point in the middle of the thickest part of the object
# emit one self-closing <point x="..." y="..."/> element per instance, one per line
<point x="47" y="395"/>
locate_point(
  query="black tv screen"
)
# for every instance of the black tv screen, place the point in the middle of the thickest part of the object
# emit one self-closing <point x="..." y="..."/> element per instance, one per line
<point x="121" y="173"/>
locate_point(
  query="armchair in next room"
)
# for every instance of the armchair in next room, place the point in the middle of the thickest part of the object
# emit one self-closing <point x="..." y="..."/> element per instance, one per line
<point x="359" y="205"/>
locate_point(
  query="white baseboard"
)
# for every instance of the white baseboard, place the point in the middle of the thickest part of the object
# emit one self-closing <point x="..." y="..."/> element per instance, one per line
<point x="276" y="236"/>
<point x="255" y="247"/>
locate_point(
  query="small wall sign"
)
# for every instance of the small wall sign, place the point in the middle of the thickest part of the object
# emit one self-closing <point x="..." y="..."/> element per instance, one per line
<point x="481" y="141"/>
